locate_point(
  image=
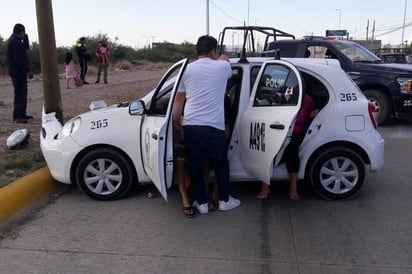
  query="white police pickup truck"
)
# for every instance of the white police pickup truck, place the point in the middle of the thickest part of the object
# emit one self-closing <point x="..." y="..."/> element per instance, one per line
<point x="107" y="150"/>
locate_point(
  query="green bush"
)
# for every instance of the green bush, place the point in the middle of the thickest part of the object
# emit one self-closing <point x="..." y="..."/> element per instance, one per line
<point x="2" y="56"/>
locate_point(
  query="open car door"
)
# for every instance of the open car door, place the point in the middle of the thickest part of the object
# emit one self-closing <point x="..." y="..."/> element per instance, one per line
<point x="275" y="101"/>
<point x="157" y="130"/>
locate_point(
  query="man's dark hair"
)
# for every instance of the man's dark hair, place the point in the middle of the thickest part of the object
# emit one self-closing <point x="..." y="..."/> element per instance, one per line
<point x="18" y="28"/>
<point x="205" y="44"/>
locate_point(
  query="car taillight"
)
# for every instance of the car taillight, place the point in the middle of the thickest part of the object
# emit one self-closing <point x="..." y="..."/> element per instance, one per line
<point x="372" y="113"/>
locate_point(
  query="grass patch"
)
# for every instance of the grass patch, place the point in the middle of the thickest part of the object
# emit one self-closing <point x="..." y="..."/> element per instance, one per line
<point x="5" y="182"/>
<point x="24" y="164"/>
<point x="14" y="169"/>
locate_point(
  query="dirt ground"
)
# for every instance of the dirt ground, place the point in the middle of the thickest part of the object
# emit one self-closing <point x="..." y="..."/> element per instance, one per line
<point x="124" y="85"/>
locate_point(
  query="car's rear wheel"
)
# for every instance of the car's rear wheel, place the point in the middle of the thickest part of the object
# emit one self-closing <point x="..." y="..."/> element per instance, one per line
<point x="104" y="174"/>
<point x="337" y="173"/>
<point x="382" y="104"/>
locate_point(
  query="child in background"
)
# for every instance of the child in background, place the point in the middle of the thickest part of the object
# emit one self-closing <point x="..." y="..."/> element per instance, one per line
<point x="69" y="68"/>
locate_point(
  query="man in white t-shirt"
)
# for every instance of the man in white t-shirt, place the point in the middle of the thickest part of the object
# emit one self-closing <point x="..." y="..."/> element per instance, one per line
<point x="201" y="93"/>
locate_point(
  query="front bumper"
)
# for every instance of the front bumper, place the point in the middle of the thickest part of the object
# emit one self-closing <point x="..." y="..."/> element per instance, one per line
<point x="58" y="153"/>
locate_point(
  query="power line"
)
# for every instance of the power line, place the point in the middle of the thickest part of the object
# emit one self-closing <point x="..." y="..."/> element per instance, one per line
<point x="225" y="13"/>
<point x="381" y="30"/>
<point x="395" y="29"/>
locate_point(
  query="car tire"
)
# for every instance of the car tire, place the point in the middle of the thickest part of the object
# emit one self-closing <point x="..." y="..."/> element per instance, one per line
<point x="104" y="174"/>
<point x="382" y="104"/>
<point x="337" y="173"/>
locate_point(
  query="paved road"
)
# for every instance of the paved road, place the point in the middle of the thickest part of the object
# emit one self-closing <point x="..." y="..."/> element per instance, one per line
<point x="368" y="234"/>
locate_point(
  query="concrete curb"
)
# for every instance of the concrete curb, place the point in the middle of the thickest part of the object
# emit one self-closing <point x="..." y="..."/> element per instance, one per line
<point x="21" y="193"/>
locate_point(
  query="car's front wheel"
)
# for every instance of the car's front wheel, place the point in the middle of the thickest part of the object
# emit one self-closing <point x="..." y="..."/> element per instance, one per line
<point x="104" y="174"/>
<point x="337" y="173"/>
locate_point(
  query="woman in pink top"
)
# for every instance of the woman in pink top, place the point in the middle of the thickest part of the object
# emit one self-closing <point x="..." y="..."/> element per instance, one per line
<point x="291" y="155"/>
<point x="69" y="68"/>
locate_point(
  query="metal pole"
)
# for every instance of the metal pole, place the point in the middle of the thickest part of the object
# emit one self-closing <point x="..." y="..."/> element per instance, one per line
<point x="367" y="30"/>
<point x="403" y="28"/>
<point x="207" y="17"/>
<point x="340" y="16"/>
<point x="248" y="8"/>
<point x="48" y="58"/>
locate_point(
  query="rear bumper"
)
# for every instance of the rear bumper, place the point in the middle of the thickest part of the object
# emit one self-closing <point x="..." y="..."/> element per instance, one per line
<point x="377" y="151"/>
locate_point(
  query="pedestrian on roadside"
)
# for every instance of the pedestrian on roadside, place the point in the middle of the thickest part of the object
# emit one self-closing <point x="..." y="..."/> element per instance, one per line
<point x="84" y="57"/>
<point x="18" y="66"/>
<point x="102" y="54"/>
<point x="69" y="68"/>
<point x="201" y="94"/>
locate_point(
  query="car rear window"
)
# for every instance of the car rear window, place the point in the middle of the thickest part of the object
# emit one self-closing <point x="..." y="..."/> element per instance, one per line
<point x="286" y="49"/>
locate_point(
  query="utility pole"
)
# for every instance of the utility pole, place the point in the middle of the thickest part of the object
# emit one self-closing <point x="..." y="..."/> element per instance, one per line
<point x="367" y="30"/>
<point x="340" y="17"/>
<point x="207" y="17"/>
<point x="403" y="28"/>
<point x="48" y="58"/>
<point x="248" y="9"/>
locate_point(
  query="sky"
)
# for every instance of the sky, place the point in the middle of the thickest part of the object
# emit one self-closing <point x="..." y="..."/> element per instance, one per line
<point x="138" y="23"/>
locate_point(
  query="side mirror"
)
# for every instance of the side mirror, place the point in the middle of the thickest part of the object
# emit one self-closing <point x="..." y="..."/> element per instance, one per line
<point x="137" y="107"/>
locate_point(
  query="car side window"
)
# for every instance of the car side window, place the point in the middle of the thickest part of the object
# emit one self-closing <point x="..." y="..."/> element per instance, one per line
<point x="253" y="75"/>
<point x="277" y="86"/>
<point x="315" y="89"/>
<point x="160" y="107"/>
<point x="160" y="103"/>
<point x="232" y="96"/>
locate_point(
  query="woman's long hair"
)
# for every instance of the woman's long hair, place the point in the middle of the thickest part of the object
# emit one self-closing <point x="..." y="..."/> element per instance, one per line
<point x="69" y="57"/>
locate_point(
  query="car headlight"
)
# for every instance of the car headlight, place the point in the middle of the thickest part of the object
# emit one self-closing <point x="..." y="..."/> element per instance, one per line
<point x="406" y="85"/>
<point x="69" y="128"/>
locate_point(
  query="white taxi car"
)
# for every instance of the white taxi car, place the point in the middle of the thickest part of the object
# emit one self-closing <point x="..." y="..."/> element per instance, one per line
<point x="107" y="150"/>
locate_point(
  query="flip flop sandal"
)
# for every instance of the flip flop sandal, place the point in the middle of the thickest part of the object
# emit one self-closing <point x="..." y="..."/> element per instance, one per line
<point x="189" y="212"/>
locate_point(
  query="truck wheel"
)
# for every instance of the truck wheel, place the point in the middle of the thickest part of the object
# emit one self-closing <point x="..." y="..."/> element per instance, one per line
<point x="336" y="173"/>
<point x="382" y="103"/>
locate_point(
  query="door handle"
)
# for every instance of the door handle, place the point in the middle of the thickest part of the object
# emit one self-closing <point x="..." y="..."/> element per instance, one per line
<point x="154" y="136"/>
<point x="277" y="126"/>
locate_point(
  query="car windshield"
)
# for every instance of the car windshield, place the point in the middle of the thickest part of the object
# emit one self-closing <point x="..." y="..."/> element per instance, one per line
<point x="357" y="53"/>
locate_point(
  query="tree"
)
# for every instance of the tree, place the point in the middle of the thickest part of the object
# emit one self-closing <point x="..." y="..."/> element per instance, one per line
<point x="34" y="57"/>
<point x="2" y="56"/>
<point x="160" y="52"/>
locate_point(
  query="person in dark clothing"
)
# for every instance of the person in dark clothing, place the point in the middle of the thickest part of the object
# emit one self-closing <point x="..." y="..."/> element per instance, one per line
<point x="84" y="57"/>
<point x="18" y="66"/>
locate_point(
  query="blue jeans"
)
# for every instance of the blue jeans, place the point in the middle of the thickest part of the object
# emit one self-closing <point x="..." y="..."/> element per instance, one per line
<point x="203" y="143"/>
